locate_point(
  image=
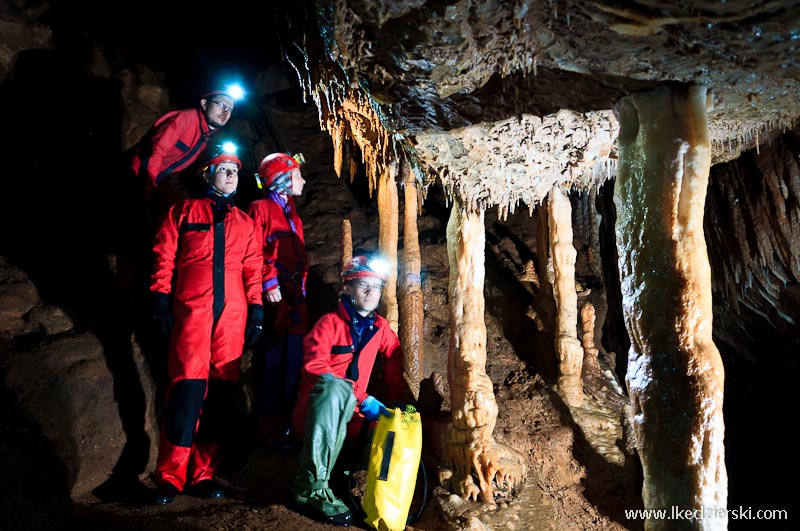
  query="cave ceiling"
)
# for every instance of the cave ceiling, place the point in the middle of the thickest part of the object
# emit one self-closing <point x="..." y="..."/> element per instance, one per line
<point x="505" y="99"/>
<point x="500" y="100"/>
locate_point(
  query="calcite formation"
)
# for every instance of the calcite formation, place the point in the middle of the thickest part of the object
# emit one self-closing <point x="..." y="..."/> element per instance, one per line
<point x="410" y="283"/>
<point x="387" y="240"/>
<point x="568" y="347"/>
<point x="675" y="375"/>
<point x="503" y="102"/>
<point x="470" y="446"/>
<point x="519" y="160"/>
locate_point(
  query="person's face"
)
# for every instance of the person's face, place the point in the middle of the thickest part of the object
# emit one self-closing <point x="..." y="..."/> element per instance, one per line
<point x="366" y="293"/>
<point x="225" y="177"/>
<point x="297" y="183"/>
<point x="218" y="109"/>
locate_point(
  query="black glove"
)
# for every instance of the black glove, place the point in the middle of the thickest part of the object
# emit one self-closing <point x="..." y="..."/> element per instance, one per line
<point x="162" y="314"/>
<point x="252" y="330"/>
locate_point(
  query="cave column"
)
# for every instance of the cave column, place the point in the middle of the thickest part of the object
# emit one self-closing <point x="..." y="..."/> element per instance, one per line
<point x="411" y="305"/>
<point x="387" y="239"/>
<point x="568" y="347"/>
<point x="675" y="375"/>
<point x="470" y="444"/>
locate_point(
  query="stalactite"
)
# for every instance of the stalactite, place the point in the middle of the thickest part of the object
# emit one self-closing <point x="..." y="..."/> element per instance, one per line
<point x="675" y="375"/>
<point x="352" y="162"/>
<point x="740" y="233"/>
<point x="387" y="240"/>
<point x="373" y="177"/>
<point x="411" y="304"/>
<point x="568" y="348"/>
<point x="338" y="137"/>
<point x="470" y="445"/>
<point x="519" y="159"/>
<point x="347" y="113"/>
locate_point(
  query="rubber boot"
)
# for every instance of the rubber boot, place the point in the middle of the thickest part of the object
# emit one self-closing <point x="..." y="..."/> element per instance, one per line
<point x="330" y="408"/>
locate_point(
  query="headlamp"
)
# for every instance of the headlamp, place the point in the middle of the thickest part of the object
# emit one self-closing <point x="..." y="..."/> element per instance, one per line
<point x="379" y="266"/>
<point x="235" y="91"/>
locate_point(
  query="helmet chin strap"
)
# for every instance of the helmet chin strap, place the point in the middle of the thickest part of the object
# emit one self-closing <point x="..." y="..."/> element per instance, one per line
<point x="218" y="191"/>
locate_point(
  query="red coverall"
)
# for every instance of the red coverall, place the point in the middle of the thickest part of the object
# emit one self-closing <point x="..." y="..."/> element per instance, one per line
<point x="171" y="145"/>
<point x="328" y="348"/>
<point x="280" y="230"/>
<point x="216" y="273"/>
<point x="175" y="141"/>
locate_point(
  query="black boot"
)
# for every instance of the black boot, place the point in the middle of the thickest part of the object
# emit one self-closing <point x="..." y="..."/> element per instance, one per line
<point x="165" y="493"/>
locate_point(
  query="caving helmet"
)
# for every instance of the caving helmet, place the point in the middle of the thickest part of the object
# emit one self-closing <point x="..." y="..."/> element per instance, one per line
<point x="234" y="91"/>
<point x="275" y="170"/>
<point x="364" y="266"/>
<point x="218" y="154"/>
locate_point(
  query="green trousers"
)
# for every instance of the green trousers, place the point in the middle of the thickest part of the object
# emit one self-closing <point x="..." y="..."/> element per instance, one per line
<point x="330" y="408"/>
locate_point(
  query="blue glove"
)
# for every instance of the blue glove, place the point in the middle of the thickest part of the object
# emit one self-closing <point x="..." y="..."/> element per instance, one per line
<point x="252" y="330"/>
<point x="371" y="408"/>
<point x="161" y="313"/>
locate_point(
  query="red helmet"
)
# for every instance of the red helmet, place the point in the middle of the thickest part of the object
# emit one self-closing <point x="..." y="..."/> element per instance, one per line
<point x="220" y="154"/>
<point x="364" y="266"/>
<point x="224" y="157"/>
<point x="275" y="170"/>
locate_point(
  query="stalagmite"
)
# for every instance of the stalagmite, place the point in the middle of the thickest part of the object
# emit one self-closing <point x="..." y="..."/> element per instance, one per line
<point x="568" y="348"/>
<point x="387" y="239"/>
<point x="528" y="274"/>
<point x="411" y="304"/>
<point x="339" y="136"/>
<point x="470" y="445"/>
<point x="590" y="350"/>
<point x="347" y="242"/>
<point x="346" y="247"/>
<point x="675" y="375"/>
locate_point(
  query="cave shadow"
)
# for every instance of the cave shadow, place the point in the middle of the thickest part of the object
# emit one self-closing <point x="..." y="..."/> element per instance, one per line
<point x="758" y="408"/>
<point x="321" y="298"/>
<point x="525" y="253"/>
<point x="610" y="487"/>
<point x="98" y="518"/>
<point x="34" y="479"/>
<point x="433" y="206"/>
<point x="614" y="333"/>
<point x="243" y="448"/>
<point x="533" y="345"/>
<point x="66" y="212"/>
<point x="756" y="335"/>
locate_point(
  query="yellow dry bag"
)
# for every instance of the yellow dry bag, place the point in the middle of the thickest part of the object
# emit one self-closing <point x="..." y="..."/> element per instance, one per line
<point x="393" y="465"/>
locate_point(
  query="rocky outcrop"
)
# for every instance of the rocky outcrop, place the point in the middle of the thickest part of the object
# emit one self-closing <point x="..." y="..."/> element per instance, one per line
<point x="61" y="397"/>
